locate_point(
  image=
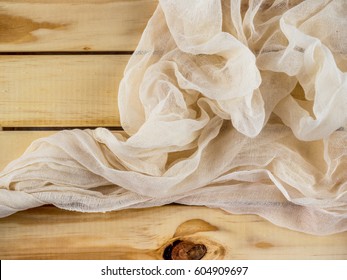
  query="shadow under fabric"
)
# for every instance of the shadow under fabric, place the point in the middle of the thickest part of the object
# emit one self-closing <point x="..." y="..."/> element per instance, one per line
<point x="238" y="105"/>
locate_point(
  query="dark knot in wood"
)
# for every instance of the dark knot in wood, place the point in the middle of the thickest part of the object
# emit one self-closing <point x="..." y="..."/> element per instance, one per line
<point x="184" y="250"/>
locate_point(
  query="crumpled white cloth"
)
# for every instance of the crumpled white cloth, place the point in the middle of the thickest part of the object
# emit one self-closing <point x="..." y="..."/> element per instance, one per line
<point x="239" y="105"/>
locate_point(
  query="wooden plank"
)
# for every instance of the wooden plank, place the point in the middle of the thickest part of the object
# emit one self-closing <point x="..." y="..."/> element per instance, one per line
<point x="54" y="90"/>
<point x="14" y="143"/>
<point x="78" y="25"/>
<point x="50" y="233"/>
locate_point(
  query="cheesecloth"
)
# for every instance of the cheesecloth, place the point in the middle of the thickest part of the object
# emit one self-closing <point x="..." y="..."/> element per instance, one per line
<point x="238" y="105"/>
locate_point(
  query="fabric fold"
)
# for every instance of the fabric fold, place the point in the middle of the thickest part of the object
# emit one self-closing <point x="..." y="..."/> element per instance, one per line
<point x="238" y="105"/>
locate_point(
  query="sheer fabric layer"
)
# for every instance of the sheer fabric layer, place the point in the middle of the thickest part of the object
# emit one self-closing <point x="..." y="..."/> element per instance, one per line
<point x="239" y="105"/>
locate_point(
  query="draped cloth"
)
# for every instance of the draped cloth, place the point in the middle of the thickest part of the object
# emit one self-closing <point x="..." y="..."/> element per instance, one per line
<point x="237" y="105"/>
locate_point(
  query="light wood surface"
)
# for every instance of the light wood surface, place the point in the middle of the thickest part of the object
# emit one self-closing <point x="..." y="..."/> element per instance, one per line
<point x="99" y="25"/>
<point x="81" y="90"/>
<point x="50" y="233"/>
<point x="14" y="143"/>
<point x="54" y="90"/>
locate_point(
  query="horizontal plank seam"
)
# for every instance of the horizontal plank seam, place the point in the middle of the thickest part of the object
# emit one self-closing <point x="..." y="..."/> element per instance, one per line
<point x="69" y="53"/>
<point x="58" y="128"/>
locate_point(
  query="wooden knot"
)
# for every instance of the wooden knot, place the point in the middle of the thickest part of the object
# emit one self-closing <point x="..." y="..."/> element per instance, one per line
<point x="184" y="250"/>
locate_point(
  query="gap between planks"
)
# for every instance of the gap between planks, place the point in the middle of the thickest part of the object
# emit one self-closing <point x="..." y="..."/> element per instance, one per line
<point x="115" y="128"/>
<point x="69" y="53"/>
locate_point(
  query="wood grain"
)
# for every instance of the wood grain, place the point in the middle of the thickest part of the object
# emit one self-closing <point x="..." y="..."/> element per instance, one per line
<point x="51" y="233"/>
<point x="103" y="25"/>
<point x="70" y="90"/>
<point x="81" y="90"/>
<point x="14" y="143"/>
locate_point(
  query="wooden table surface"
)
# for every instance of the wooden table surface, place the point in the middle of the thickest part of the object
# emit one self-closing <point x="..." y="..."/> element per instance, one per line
<point x="61" y="62"/>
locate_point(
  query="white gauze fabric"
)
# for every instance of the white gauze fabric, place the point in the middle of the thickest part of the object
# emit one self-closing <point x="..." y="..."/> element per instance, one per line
<point x="238" y="105"/>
